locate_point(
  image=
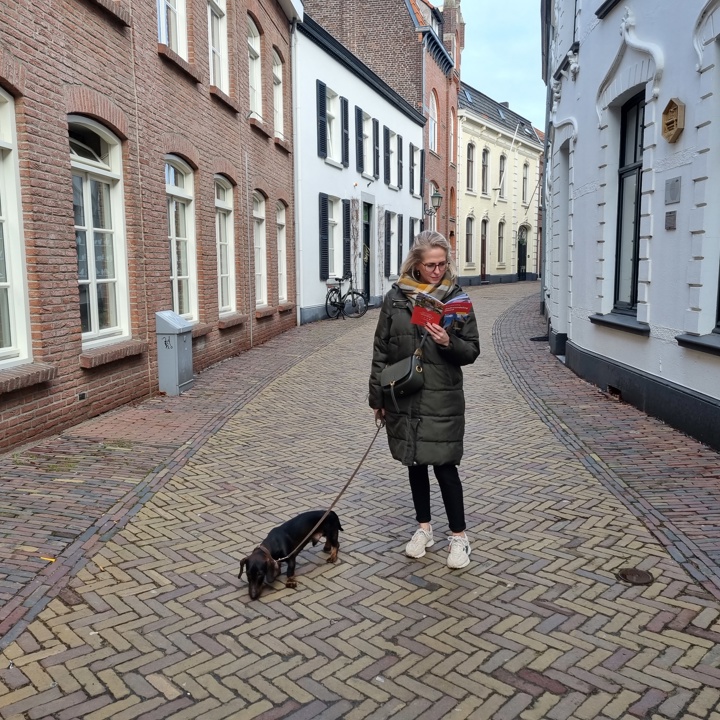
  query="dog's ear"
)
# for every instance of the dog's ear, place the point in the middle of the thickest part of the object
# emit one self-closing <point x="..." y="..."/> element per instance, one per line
<point x="272" y="572"/>
<point x="243" y="563"/>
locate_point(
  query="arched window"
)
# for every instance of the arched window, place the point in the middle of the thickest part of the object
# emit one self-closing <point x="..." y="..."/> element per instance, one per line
<point x="224" y="238"/>
<point x="433" y="123"/>
<point x="96" y="161"/>
<point x="453" y="149"/>
<point x="501" y="176"/>
<point x="260" y="249"/>
<point x="278" y="104"/>
<point x="471" y="167"/>
<point x="469" y="239"/>
<point x="501" y="242"/>
<point x="485" y="166"/>
<point x="281" y="253"/>
<point x="526" y="172"/>
<point x="181" y="236"/>
<point x="255" y="68"/>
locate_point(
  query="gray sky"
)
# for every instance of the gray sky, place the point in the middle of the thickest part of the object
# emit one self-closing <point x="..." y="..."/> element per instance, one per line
<point x="502" y="56"/>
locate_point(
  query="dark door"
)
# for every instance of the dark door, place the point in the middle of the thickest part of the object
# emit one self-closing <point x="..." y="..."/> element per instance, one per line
<point x="367" y="218"/>
<point x="522" y="254"/>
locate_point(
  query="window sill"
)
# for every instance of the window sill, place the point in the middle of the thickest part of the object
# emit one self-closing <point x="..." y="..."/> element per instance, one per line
<point x="286" y="307"/>
<point x="333" y="163"/>
<point x="434" y="154"/>
<point x="283" y="145"/>
<point x="224" y="98"/>
<point x="201" y="329"/>
<point x="173" y="58"/>
<point x="471" y="192"/>
<point x="264" y="312"/>
<point x="704" y="343"/>
<point x="368" y="176"/>
<point x="22" y="376"/>
<point x="394" y="188"/>
<point x="232" y="320"/>
<point x="257" y="124"/>
<point x="116" y="9"/>
<point x="111" y="353"/>
<point x="618" y="321"/>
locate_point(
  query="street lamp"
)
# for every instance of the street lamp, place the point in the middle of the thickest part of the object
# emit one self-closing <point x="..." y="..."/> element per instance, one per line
<point x="435" y="200"/>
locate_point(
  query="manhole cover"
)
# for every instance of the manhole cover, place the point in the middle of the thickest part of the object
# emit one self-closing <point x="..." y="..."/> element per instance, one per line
<point x="633" y="576"/>
<point x="540" y="338"/>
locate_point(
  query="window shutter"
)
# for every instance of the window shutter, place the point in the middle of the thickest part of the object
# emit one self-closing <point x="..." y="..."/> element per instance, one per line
<point x="321" y="119"/>
<point x="386" y="144"/>
<point x="359" y="149"/>
<point x="400" y="241"/>
<point x="345" y="131"/>
<point x="388" y="225"/>
<point x="421" y="189"/>
<point x="376" y="149"/>
<point x="411" y="152"/>
<point x="400" y="161"/>
<point x="346" y="236"/>
<point x="411" y="228"/>
<point x="324" y="257"/>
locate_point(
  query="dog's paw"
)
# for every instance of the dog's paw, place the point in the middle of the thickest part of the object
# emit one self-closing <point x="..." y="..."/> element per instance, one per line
<point x="291" y="583"/>
<point x="333" y="557"/>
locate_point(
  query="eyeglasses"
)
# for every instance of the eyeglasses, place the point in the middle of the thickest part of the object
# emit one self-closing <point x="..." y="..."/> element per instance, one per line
<point x="431" y="267"/>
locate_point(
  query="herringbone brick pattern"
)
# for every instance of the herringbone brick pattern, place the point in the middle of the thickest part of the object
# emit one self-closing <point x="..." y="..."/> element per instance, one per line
<point x="158" y="626"/>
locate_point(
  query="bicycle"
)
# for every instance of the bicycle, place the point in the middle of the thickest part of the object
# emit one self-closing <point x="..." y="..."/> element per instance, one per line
<point x="352" y="304"/>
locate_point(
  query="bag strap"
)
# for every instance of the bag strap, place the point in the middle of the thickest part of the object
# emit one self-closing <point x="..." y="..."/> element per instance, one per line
<point x="418" y="352"/>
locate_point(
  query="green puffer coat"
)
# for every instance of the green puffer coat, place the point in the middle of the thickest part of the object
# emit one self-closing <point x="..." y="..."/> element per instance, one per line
<point x="429" y="428"/>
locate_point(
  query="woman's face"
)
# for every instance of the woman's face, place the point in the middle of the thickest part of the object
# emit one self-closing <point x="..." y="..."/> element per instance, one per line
<point x="432" y="266"/>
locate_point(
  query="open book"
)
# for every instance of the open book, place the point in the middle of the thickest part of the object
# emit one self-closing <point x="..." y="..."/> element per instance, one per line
<point x="451" y="315"/>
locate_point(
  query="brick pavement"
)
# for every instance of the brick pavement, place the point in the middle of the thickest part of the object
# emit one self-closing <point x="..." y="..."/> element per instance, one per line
<point x="155" y="624"/>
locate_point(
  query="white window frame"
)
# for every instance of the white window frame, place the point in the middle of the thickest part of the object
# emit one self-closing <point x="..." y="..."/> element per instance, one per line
<point x="332" y="113"/>
<point x="335" y="239"/>
<point x="278" y="97"/>
<point x="106" y="170"/>
<point x="393" y="244"/>
<point x="501" y="242"/>
<point x="485" y="171"/>
<point x="19" y="349"/>
<point x="367" y="145"/>
<point x="470" y="165"/>
<point x="453" y="153"/>
<point x="254" y="68"/>
<point x="433" y="123"/>
<point x="220" y="77"/>
<point x="225" y="242"/>
<point x="525" y="182"/>
<point x="416" y="172"/>
<point x="393" y="140"/>
<point x="502" y="172"/>
<point x="172" y="26"/>
<point x="281" y="230"/>
<point x="260" y="246"/>
<point x="469" y="239"/>
<point x="183" y="196"/>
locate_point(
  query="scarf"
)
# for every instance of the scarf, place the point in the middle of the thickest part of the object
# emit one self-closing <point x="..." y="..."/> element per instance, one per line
<point x="411" y="287"/>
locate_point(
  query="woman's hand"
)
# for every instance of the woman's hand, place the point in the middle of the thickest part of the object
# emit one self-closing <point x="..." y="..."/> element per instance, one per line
<point x="379" y="416"/>
<point x="438" y="334"/>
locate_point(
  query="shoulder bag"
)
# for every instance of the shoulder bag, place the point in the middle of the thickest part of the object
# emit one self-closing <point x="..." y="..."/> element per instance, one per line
<point x="404" y="377"/>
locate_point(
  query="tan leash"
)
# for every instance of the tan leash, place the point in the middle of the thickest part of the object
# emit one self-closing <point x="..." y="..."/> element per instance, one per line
<point x="380" y="425"/>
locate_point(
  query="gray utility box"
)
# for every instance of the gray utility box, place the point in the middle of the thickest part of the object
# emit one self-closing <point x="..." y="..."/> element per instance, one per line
<point x="174" y="345"/>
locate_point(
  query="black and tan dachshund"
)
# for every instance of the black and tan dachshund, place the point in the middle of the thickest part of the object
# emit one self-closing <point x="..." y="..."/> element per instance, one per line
<point x="262" y="563"/>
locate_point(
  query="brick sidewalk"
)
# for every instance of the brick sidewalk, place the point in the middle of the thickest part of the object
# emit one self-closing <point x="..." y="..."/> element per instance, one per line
<point x="148" y="620"/>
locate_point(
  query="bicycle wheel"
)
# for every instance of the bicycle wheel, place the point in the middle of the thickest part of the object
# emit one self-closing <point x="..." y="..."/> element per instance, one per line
<point x="354" y="304"/>
<point x="332" y="303"/>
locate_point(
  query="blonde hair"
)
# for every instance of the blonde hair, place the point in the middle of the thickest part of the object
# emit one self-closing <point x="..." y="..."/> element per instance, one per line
<point x="428" y="240"/>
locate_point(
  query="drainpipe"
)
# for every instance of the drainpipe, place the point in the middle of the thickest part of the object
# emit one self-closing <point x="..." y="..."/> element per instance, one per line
<point x="297" y="172"/>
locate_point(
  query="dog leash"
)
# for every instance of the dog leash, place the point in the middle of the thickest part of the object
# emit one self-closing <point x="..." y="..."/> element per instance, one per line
<point x="380" y="425"/>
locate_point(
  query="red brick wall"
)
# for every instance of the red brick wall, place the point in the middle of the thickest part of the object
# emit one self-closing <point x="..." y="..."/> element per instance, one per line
<point x="76" y="57"/>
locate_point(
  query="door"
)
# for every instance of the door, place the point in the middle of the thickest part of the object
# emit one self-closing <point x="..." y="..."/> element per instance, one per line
<point x="522" y="254"/>
<point x="367" y="224"/>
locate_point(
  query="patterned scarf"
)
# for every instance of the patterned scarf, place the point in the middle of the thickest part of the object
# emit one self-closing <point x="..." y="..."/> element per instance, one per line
<point x="411" y="287"/>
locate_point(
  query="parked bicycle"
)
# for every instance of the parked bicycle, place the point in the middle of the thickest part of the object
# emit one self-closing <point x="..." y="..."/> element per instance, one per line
<point x="352" y="304"/>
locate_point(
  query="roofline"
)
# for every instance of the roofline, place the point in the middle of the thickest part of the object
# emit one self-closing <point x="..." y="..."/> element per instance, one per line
<point x="435" y="45"/>
<point x="293" y="9"/>
<point x="520" y="138"/>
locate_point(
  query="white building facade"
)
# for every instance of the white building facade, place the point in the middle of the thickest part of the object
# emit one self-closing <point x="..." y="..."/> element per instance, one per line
<point x="499" y="169"/>
<point x="359" y="166"/>
<point x="632" y="235"/>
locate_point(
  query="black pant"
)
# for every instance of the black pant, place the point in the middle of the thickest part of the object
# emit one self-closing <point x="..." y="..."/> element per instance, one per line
<point x="450" y="487"/>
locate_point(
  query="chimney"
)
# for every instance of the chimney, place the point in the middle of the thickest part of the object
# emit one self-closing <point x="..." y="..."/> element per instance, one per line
<point x="505" y="105"/>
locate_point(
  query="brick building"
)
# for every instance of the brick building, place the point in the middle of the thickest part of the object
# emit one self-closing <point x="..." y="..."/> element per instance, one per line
<point x="416" y="49"/>
<point x="145" y="165"/>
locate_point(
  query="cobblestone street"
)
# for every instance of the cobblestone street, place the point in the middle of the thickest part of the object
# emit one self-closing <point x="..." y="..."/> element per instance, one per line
<point x="121" y="541"/>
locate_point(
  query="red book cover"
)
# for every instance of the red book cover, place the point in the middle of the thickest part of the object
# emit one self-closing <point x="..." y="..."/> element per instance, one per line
<point x="424" y="315"/>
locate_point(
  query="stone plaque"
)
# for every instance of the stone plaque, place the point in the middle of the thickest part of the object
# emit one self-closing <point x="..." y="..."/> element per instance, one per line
<point x="671" y="220"/>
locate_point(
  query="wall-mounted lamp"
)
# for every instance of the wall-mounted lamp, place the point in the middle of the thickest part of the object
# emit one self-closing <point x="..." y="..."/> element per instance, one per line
<point x="435" y="199"/>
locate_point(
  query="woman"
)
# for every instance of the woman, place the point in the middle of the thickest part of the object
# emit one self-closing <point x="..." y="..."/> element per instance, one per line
<point x="427" y="428"/>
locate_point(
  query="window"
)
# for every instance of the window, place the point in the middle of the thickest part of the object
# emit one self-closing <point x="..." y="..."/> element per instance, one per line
<point x="255" y="69"/>
<point x="526" y="171"/>
<point x="414" y="231"/>
<point x="415" y="170"/>
<point x="278" y="104"/>
<point x="376" y="148"/>
<point x="172" y="26"/>
<point x="217" y="42"/>
<point x="471" y="167"/>
<point x="501" y="178"/>
<point x="501" y="243"/>
<point x="393" y="158"/>
<point x="224" y="239"/>
<point x="260" y="249"/>
<point x="363" y="130"/>
<point x="629" y="186"/>
<point x="469" y="239"/>
<point x="181" y="222"/>
<point x="453" y="153"/>
<point x="485" y="165"/>
<point x="14" y="329"/>
<point x="333" y="125"/>
<point x="392" y="244"/>
<point x="281" y="253"/>
<point x="432" y="123"/>
<point x="95" y="158"/>
<point x="334" y="244"/>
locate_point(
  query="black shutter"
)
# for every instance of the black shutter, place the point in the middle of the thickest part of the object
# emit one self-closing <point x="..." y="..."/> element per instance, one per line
<point x="400" y="241"/>
<point x="388" y="225"/>
<point x="345" y="131"/>
<point x="359" y="148"/>
<point x="321" y="120"/>
<point x="346" y="236"/>
<point x="376" y="149"/>
<point x="411" y="227"/>
<point x="411" y="152"/>
<point x="422" y="175"/>
<point x="324" y="257"/>
<point x="400" y="161"/>
<point x="386" y="144"/>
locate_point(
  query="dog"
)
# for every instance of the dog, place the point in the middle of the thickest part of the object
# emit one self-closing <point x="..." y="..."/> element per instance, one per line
<point x="262" y="563"/>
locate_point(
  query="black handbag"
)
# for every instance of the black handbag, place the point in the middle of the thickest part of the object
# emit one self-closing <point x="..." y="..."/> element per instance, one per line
<point x="404" y="377"/>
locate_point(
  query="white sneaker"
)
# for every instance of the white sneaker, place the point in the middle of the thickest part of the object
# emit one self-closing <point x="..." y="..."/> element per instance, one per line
<point x="459" y="555"/>
<point x="420" y="540"/>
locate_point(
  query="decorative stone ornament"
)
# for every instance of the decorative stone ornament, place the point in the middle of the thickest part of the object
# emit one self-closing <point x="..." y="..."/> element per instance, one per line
<point x="673" y="120"/>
